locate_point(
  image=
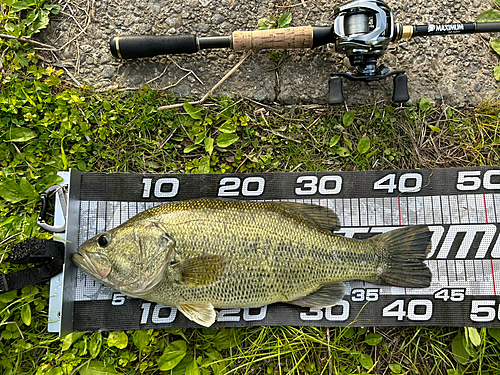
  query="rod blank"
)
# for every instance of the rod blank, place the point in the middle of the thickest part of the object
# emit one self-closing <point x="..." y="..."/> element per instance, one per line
<point x="449" y="29"/>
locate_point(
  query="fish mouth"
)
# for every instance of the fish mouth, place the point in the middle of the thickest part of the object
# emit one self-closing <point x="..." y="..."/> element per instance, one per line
<point x="90" y="263"/>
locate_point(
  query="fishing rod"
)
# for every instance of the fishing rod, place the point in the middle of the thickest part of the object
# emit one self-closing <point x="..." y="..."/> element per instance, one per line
<point x="362" y="30"/>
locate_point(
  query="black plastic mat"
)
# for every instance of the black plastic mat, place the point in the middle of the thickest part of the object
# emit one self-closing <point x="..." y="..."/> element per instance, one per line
<point x="461" y="206"/>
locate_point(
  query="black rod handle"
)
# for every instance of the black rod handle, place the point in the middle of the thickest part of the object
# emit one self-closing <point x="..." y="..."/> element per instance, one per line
<point x="136" y="46"/>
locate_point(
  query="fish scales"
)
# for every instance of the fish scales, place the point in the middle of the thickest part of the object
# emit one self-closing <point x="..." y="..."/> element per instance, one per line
<point x="268" y="258"/>
<point x="202" y="254"/>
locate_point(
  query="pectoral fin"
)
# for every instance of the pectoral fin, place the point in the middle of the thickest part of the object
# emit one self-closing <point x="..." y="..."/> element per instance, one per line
<point x="326" y="296"/>
<point x="201" y="313"/>
<point x="200" y="271"/>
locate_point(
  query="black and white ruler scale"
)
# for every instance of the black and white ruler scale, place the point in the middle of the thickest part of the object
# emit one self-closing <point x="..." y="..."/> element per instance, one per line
<point x="460" y="205"/>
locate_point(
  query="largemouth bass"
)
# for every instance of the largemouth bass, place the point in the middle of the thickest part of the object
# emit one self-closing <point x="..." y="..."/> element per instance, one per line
<point x="203" y="254"/>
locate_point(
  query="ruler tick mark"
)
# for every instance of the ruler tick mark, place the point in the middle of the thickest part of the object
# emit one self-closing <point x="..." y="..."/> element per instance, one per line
<point x="399" y="211"/>
<point x="485" y="209"/>
<point x="493" y="277"/>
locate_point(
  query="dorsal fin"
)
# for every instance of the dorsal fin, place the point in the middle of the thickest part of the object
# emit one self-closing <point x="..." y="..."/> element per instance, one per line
<point x="320" y="217"/>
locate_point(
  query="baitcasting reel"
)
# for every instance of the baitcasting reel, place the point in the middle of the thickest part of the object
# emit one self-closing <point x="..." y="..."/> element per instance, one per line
<point x="362" y="30"/>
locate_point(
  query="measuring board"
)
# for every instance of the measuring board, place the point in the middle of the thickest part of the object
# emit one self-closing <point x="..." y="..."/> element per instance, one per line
<point x="461" y="206"/>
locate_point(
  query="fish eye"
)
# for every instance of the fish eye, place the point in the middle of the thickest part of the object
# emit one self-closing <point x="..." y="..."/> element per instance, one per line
<point x="103" y="241"/>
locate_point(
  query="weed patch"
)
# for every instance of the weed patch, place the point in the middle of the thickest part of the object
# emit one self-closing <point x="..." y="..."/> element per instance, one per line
<point x="46" y="127"/>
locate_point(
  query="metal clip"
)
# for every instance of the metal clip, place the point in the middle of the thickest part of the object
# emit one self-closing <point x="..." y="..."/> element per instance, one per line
<point x="59" y="190"/>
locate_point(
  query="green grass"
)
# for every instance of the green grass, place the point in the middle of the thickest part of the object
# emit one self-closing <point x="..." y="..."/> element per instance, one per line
<point x="46" y="127"/>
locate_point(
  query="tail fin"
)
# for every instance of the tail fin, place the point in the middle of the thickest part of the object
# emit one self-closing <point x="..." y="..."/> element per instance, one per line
<point x="403" y="253"/>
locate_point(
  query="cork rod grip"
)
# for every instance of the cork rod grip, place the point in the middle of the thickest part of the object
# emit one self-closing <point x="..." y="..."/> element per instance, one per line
<point x="292" y="37"/>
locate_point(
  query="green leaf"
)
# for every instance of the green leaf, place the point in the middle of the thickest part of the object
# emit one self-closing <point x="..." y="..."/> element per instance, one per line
<point x="70" y="339"/>
<point x="396" y="368"/>
<point x="11" y="192"/>
<point x="285" y="20"/>
<point x="11" y="28"/>
<point x="200" y="138"/>
<point x="425" y="104"/>
<point x="469" y="348"/>
<point x="434" y="128"/>
<point x="19" y="5"/>
<point x="366" y="361"/>
<point x="48" y="181"/>
<point x="363" y="145"/>
<point x="349" y="332"/>
<point x="42" y="21"/>
<point x="192" y="368"/>
<point x="373" y="339"/>
<point x="348" y="143"/>
<point x="348" y="118"/>
<point x="27" y="190"/>
<point x="97" y="368"/>
<point x="457" y="348"/>
<point x="492" y="15"/>
<point x="191" y="148"/>
<point x="263" y="24"/>
<point x="495" y="44"/>
<point x="473" y="335"/>
<point x="63" y="156"/>
<point x="344" y="152"/>
<point x="118" y="339"/>
<point x="224" y="339"/>
<point x="8" y="297"/>
<point x="192" y="112"/>
<point x="496" y="73"/>
<point x="26" y="314"/>
<point x="172" y="355"/>
<point x="227" y="127"/>
<point x="226" y="140"/>
<point x="204" y="166"/>
<point x="106" y="105"/>
<point x="141" y="339"/>
<point x="209" y="145"/>
<point x="334" y="140"/>
<point x="217" y="364"/>
<point x="95" y="344"/>
<point x="19" y="135"/>
<point x="53" y="8"/>
<point x="6" y="335"/>
<point x="180" y="368"/>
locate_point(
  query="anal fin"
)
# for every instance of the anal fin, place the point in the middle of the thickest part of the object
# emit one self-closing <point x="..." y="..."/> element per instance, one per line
<point x="326" y="296"/>
<point x="201" y="313"/>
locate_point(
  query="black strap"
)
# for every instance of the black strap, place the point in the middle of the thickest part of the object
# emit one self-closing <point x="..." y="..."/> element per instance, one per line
<point x="33" y="251"/>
